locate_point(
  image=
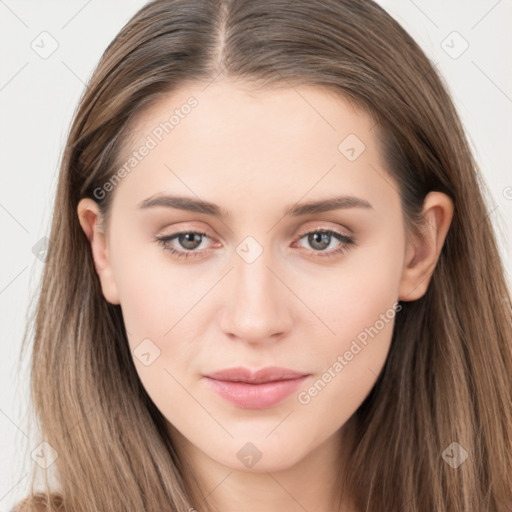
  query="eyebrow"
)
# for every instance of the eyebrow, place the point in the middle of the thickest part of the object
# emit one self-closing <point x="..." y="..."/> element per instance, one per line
<point x="200" y="206"/>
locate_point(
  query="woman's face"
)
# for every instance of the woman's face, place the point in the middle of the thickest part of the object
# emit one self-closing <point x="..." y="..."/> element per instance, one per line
<point x="264" y="286"/>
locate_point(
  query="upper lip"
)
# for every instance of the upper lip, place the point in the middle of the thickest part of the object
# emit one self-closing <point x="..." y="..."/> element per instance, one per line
<point x="268" y="374"/>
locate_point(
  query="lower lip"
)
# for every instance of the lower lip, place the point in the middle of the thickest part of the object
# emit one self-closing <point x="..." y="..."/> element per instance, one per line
<point x="255" y="396"/>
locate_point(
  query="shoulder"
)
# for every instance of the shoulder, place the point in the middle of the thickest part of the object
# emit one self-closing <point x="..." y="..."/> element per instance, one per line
<point x="40" y="503"/>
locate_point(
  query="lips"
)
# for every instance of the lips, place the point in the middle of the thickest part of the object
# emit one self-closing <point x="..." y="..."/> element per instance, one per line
<point x="260" y="389"/>
<point x="268" y="374"/>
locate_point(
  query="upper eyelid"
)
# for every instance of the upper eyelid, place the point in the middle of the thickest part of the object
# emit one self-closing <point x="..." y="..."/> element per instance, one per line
<point x="301" y="233"/>
<point x="322" y="227"/>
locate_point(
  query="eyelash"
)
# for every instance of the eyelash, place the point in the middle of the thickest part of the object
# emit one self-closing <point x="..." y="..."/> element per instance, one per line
<point x="347" y="243"/>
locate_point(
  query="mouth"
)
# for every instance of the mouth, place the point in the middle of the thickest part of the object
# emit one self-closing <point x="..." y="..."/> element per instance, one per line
<point x="262" y="389"/>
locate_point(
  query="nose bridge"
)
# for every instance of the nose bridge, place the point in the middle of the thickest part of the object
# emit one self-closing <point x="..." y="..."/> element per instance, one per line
<point x="256" y="309"/>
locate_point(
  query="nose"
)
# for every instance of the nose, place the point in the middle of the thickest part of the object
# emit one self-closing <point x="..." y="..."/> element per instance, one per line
<point x="257" y="305"/>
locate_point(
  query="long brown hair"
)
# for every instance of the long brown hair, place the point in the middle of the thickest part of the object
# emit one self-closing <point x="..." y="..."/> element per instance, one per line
<point x="448" y="376"/>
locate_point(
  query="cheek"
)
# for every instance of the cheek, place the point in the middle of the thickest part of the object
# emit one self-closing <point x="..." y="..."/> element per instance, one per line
<point x="155" y="302"/>
<point x="354" y="295"/>
<point x="158" y="298"/>
<point x="359" y="307"/>
<point x="154" y="292"/>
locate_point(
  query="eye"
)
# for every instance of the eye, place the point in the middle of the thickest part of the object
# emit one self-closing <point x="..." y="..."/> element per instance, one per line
<point x="190" y="241"/>
<point x="321" y="239"/>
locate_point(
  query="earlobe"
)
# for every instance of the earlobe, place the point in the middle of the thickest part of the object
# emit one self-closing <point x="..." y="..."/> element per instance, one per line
<point x="422" y="253"/>
<point x="89" y="216"/>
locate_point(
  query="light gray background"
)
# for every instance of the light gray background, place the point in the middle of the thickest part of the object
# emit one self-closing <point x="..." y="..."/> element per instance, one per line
<point x="38" y="97"/>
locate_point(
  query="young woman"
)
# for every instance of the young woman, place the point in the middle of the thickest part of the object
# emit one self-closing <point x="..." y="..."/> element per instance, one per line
<point x="272" y="282"/>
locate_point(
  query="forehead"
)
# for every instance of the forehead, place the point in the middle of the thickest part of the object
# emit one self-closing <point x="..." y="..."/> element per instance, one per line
<point x="238" y="110"/>
<point x="228" y="140"/>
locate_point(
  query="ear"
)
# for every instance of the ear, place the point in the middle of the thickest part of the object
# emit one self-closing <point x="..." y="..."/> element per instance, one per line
<point x="423" y="252"/>
<point x="91" y="221"/>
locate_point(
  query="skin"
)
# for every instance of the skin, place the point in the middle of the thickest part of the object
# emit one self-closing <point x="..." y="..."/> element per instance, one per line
<point x="255" y="154"/>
